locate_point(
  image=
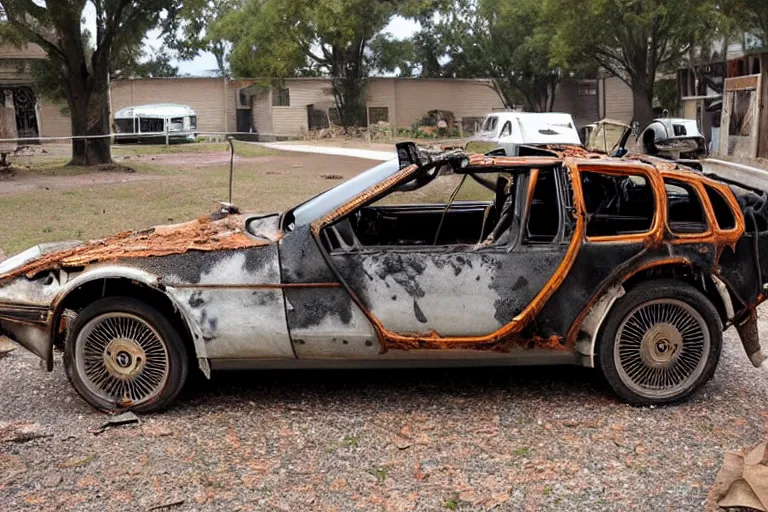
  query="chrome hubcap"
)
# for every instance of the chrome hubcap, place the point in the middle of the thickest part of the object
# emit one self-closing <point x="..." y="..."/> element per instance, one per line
<point x="661" y="348"/>
<point x="122" y="359"/>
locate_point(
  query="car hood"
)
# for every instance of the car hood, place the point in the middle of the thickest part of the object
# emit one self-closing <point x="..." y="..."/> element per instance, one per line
<point x="221" y="231"/>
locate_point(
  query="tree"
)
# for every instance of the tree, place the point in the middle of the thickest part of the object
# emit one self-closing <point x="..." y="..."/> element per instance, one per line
<point x="508" y="42"/>
<point x="79" y="62"/>
<point x="136" y="62"/>
<point x="633" y="39"/>
<point x="189" y="31"/>
<point x="284" y="38"/>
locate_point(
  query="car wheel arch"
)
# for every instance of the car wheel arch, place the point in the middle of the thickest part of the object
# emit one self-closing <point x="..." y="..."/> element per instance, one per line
<point x="588" y="329"/>
<point x="86" y="291"/>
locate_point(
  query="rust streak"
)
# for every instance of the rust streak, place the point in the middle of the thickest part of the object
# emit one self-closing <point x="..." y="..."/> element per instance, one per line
<point x="203" y="234"/>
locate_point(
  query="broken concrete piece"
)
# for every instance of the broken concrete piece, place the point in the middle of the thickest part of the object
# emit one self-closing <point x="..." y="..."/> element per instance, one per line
<point x="118" y="420"/>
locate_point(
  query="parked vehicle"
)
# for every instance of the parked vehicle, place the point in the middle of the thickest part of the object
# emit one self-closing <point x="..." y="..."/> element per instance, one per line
<point x="633" y="267"/>
<point x="510" y="130"/>
<point x="165" y="121"/>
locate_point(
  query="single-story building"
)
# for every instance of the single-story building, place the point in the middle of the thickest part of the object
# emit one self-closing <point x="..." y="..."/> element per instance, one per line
<point x="724" y="92"/>
<point x="226" y="105"/>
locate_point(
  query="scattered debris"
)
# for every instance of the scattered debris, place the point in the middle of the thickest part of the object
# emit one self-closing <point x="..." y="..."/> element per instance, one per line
<point x="6" y="345"/>
<point x="332" y="176"/>
<point x="21" y="432"/>
<point x="52" y="479"/>
<point x="275" y="173"/>
<point x="402" y="443"/>
<point x="118" y="420"/>
<point x="743" y="481"/>
<point x="167" y="506"/>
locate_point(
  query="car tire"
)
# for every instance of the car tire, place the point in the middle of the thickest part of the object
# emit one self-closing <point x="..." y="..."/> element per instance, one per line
<point x="122" y="354"/>
<point x="660" y="343"/>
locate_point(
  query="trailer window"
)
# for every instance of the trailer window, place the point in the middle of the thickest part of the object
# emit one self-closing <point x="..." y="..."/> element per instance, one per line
<point x="723" y="213"/>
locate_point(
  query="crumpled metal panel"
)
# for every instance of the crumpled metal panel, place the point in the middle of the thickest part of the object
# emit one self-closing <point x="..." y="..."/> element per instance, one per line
<point x="203" y="234"/>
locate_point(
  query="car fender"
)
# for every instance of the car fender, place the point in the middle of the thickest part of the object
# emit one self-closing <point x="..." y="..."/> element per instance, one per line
<point x="71" y="282"/>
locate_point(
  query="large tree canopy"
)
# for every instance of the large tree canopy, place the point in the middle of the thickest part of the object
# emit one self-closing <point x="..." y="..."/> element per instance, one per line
<point x="507" y="41"/>
<point x="633" y="39"/>
<point x="189" y="32"/>
<point x="284" y="38"/>
<point x="80" y="61"/>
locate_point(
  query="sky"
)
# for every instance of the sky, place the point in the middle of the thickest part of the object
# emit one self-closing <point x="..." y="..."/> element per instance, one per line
<point x="205" y="63"/>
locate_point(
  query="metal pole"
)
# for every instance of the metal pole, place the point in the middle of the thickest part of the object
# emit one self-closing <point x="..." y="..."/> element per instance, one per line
<point x="230" y="140"/>
<point x="167" y="136"/>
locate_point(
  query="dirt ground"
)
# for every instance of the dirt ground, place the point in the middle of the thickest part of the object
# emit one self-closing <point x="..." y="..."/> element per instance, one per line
<point x="502" y="439"/>
<point x="474" y="440"/>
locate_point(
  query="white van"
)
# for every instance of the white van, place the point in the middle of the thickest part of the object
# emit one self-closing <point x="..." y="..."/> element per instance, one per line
<point x="510" y="130"/>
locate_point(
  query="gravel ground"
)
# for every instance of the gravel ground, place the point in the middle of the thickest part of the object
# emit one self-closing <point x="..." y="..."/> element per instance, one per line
<point x="500" y="439"/>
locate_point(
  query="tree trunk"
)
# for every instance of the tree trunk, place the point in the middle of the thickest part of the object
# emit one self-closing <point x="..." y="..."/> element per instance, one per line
<point x="78" y="116"/>
<point x="89" y="114"/>
<point x="642" y="103"/>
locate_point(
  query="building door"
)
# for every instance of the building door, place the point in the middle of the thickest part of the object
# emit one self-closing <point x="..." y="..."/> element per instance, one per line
<point x="244" y="121"/>
<point x="25" y="105"/>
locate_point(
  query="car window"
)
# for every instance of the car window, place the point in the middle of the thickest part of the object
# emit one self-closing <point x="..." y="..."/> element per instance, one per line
<point x="490" y="124"/>
<point x="544" y="210"/>
<point x="684" y="211"/>
<point x="723" y="213"/>
<point x="506" y="131"/>
<point x="617" y="205"/>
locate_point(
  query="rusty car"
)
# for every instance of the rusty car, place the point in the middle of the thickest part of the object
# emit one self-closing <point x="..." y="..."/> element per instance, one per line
<point x="633" y="266"/>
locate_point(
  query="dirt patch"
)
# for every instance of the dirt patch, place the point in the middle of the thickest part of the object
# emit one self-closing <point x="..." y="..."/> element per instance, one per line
<point x="25" y="181"/>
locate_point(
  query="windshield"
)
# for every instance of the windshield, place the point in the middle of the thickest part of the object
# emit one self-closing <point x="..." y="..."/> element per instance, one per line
<point x="341" y="194"/>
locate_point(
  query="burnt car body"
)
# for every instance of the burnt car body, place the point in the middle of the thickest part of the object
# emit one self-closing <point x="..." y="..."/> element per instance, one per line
<point x="633" y="266"/>
<point x="673" y="138"/>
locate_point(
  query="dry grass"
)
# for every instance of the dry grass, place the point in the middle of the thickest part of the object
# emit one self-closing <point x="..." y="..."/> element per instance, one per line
<point x="158" y="193"/>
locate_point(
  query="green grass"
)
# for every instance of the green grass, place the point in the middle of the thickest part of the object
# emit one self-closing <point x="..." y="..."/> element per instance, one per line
<point x="380" y="474"/>
<point x="166" y="195"/>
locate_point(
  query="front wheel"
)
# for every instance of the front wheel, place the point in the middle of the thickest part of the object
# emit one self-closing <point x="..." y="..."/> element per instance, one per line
<point x="660" y="343"/>
<point x="123" y="354"/>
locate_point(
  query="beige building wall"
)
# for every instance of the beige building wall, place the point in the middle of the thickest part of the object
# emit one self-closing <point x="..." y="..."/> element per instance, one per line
<point x="208" y="97"/>
<point x="579" y="98"/>
<point x="616" y="100"/>
<point x="292" y="120"/>
<point x="52" y="123"/>
<point x="465" y="98"/>
<point x="381" y="93"/>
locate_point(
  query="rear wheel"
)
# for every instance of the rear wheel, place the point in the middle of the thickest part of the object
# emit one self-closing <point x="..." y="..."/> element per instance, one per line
<point x="660" y="343"/>
<point x="123" y="354"/>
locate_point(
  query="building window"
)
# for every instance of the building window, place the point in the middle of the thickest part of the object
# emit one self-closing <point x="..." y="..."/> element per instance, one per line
<point x="378" y="115"/>
<point x="244" y="98"/>
<point x="281" y="97"/>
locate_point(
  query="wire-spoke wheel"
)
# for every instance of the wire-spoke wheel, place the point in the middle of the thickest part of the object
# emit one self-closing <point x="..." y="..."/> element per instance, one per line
<point x="124" y="354"/>
<point x="661" y="347"/>
<point x="122" y="358"/>
<point x="660" y="343"/>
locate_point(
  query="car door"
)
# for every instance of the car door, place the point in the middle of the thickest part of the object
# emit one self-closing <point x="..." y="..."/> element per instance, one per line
<point x="456" y="291"/>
